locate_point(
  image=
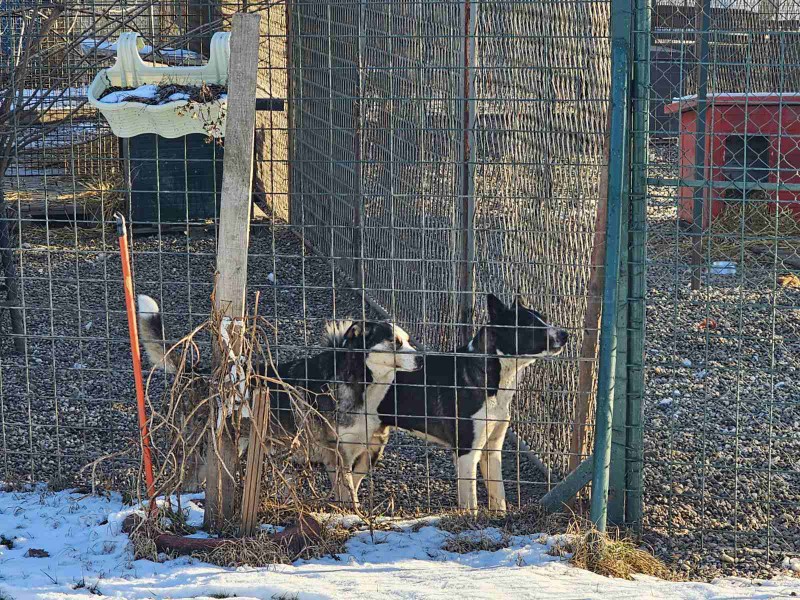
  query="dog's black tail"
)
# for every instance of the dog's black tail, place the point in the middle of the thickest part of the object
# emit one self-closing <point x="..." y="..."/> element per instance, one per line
<point x="151" y="332"/>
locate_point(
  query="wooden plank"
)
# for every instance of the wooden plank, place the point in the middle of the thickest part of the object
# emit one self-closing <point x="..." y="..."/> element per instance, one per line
<point x="591" y="323"/>
<point x="787" y="258"/>
<point x="256" y="451"/>
<point x="234" y="238"/>
<point x="237" y="179"/>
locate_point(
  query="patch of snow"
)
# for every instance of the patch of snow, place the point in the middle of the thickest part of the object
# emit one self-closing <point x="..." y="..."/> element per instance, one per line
<point x="90" y="44"/>
<point x="108" y="48"/>
<point x="87" y="550"/>
<point x="53" y="99"/>
<point x="791" y="564"/>
<point x="179" y="54"/>
<point x="143" y="91"/>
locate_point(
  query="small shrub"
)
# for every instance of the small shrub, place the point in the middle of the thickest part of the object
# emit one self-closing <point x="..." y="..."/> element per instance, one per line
<point x="611" y="556"/>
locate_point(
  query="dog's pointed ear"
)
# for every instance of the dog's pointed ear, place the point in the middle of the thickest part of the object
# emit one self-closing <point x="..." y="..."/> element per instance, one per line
<point x="495" y="306"/>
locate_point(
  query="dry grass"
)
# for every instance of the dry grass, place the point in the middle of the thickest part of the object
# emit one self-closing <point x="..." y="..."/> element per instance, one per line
<point x="258" y="551"/>
<point x="93" y="198"/>
<point x="585" y="547"/>
<point x="186" y="417"/>
<point x="758" y="218"/>
<point x="477" y="541"/>
<point x="183" y="421"/>
<point x="527" y="520"/>
<point x="750" y="224"/>
<point x="608" y="555"/>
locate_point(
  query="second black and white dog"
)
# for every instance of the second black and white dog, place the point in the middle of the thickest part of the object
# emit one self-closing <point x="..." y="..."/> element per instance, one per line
<point x="462" y="401"/>
<point x="342" y="386"/>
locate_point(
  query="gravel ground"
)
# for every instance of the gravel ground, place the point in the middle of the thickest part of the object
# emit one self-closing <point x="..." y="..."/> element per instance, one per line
<point x="722" y="417"/>
<point x="70" y="400"/>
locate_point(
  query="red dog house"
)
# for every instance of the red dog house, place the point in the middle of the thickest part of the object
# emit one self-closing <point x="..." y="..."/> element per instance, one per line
<point x="749" y="137"/>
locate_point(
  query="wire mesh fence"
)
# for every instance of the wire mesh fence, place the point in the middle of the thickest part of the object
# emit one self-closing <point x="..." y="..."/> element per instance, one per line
<point x="429" y="154"/>
<point x="467" y="148"/>
<point x="720" y="413"/>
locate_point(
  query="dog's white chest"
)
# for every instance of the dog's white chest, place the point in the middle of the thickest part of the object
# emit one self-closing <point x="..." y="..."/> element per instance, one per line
<point x="365" y="423"/>
<point x="510" y="369"/>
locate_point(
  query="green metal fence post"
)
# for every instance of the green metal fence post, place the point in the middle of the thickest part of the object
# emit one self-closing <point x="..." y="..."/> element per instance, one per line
<point x="621" y="11"/>
<point x="636" y="267"/>
<point x="618" y="466"/>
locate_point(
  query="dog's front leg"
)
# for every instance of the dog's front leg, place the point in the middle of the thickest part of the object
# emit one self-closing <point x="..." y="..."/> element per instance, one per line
<point x="339" y="465"/>
<point x="370" y="457"/>
<point x="467" y="474"/>
<point x="492" y="466"/>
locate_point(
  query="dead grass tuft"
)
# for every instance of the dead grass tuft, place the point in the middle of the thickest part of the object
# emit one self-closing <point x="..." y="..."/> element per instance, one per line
<point x="527" y="520"/>
<point x="611" y="556"/>
<point x="142" y="538"/>
<point x="579" y="541"/>
<point x="476" y="541"/>
<point x="261" y="550"/>
<point x="748" y="224"/>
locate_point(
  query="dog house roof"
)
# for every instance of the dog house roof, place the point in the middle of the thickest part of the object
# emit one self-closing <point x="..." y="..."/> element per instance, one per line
<point x="685" y="103"/>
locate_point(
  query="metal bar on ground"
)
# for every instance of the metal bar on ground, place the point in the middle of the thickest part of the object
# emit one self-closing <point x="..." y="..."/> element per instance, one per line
<point x="234" y="237"/>
<point x="557" y="498"/>
<point x="620" y="59"/>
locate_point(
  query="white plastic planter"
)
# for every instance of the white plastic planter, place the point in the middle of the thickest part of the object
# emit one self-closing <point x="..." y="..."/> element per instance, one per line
<point x="173" y="119"/>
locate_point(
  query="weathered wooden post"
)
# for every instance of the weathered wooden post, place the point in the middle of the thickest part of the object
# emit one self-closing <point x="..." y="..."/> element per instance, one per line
<point x="234" y="236"/>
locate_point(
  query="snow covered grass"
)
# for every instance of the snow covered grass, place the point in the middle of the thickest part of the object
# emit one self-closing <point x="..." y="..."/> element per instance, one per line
<point x="87" y="554"/>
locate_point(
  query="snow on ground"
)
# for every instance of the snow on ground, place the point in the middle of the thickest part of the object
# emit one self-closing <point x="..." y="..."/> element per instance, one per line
<point x="88" y="555"/>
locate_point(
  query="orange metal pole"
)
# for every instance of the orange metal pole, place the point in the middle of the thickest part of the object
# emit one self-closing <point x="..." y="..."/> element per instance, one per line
<point x="127" y="282"/>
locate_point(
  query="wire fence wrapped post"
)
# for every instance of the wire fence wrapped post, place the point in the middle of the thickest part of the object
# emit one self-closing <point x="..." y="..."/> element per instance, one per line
<point x="640" y="93"/>
<point x="617" y="173"/>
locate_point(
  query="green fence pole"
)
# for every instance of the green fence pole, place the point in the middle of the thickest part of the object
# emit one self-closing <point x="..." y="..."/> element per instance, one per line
<point x="618" y="469"/>
<point x="620" y="62"/>
<point x="636" y="267"/>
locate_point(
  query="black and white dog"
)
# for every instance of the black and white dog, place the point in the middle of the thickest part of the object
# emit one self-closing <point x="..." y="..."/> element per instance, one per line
<point x="342" y="385"/>
<point x="463" y="402"/>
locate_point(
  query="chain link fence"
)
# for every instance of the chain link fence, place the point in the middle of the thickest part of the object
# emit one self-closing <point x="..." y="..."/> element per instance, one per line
<point x="721" y="416"/>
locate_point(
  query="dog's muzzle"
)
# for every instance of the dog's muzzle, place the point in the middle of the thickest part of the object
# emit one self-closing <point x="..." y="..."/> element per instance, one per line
<point x="557" y="338"/>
